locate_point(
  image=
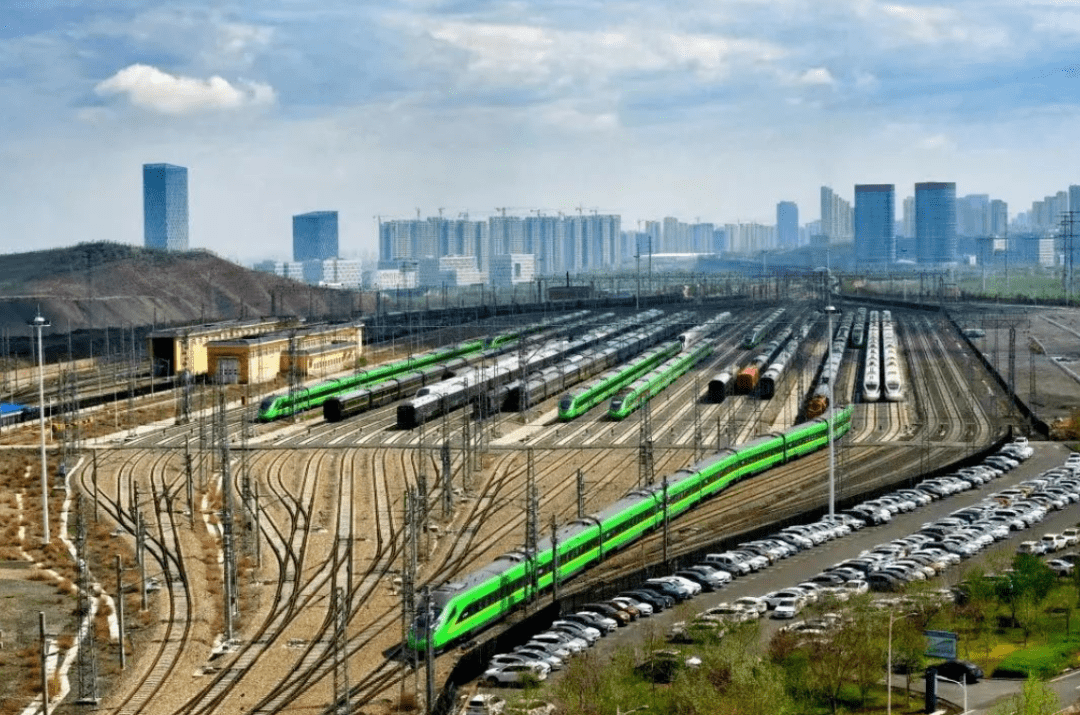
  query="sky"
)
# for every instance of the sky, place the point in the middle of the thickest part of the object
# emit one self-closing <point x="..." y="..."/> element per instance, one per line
<point x="698" y="109"/>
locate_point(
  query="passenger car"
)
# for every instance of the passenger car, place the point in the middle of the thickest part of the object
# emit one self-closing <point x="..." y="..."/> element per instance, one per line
<point x="959" y="670"/>
<point x="514" y="673"/>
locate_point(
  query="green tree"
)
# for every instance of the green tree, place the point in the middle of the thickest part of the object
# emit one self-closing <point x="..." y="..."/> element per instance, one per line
<point x="1036" y="698"/>
<point x="1032" y="577"/>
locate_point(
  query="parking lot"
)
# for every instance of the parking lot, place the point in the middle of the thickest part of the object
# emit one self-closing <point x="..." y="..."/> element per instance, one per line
<point x="809" y="562"/>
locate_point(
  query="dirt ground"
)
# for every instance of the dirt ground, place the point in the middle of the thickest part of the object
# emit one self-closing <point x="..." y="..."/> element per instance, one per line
<point x="1047" y="345"/>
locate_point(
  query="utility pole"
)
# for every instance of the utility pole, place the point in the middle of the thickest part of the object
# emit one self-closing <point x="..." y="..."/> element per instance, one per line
<point x="665" y="522"/>
<point x="227" y="546"/>
<point x="408" y="579"/>
<point x="1012" y="361"/>
<point x="120" y="611"/>
<point x="447" y="481"/>
<point x="39" y="324"/>
<point x="698" y="438"/>
<point x="87" y="656"/>
<point x="532" y="522"/>
<point x="429" y="655"/>
<point x="340" y="610"/>
<point x="294" y="372"/>
<point x="554" y="559"/>
<point x="580" y="494"/>
<point x="44" y="661"/>
<point x="645" y="451"/>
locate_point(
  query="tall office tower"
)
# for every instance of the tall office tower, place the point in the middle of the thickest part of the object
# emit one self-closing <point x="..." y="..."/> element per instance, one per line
<point x="787" y="224"/>
<point x="653" y="244"/>
<point x="935" y="221"/>
<point x="909" y="217"/>
<point x="837" y="218"/>
<point x="973" y="215"/>
<point x="875" y="240"/>
<point x="165" y="207"/>
<point x="999" y="217"/>
<point x="828" y="212"/>
<point x="1074" y="197"/>
<point x="315" y="236"/>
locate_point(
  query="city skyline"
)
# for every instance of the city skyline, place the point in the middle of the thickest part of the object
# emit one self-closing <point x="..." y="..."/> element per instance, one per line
<point x="717" y="112"/>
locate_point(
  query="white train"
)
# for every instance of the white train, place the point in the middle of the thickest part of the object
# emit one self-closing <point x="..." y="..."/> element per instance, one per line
<point x="894" y="381"/>
<point x="872" y="366"/>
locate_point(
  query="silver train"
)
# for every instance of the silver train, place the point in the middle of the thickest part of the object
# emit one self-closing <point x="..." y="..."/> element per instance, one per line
<point x="499" y="384"/>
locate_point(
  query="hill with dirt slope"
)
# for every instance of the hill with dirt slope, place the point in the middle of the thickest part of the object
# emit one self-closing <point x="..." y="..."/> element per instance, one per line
<point x="92" y="286"/>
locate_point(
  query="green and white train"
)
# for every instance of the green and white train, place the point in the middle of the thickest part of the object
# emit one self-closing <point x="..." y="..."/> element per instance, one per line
<point x="461" y="608"/>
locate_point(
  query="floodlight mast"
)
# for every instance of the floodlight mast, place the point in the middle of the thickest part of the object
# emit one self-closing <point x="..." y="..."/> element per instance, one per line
<point x="39" y="323"/>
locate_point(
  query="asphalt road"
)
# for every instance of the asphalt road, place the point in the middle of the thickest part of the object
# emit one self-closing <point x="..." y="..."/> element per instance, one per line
<point x="808" y="563"/>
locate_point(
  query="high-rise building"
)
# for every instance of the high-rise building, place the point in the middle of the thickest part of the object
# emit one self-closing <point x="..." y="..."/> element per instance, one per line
<point x="787" y="224"/>
<point x="935" y="222"/>
<point x="837" y="218"/>
<point x="973" y="215"/>
<point x="315" y="236"/>
<point x="165" y="207"/>
<point x="999" y="217"/>
<point x="1074" y="197"/>
<point x="909" y="217"/>
<point x="875" y="239"/>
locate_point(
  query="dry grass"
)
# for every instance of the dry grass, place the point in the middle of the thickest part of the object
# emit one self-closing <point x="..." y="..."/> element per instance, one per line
<point x="39" y="575"/>
<point x="66" y="587"/>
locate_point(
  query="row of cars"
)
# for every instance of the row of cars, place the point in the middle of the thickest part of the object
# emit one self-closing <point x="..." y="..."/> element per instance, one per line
<point x="963" y="533"/>
<point x="887" y="566"/>
<point x="572" y="633"/>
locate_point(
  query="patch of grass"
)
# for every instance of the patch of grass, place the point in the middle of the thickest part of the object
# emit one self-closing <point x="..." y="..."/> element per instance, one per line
<point x="1040" y="660"/>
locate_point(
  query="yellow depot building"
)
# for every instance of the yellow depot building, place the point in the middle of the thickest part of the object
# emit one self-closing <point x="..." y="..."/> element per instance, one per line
<point x="258" y="351"/>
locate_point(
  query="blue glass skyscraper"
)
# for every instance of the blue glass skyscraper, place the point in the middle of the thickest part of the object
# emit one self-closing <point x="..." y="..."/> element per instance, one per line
<point x="787" y="224"/>
<point x="315" y="236"/>
<point x="935" y="222"/>
<point x="165" y="207"/>
<point x="875" y="230"/>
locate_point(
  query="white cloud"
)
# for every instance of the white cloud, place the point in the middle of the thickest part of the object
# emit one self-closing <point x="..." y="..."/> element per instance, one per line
<point x="510" y="54"/>
<point x="937" y="141"/>
<point x="150" y="88"/>
<point x="927" y="24"/>
<point x="817" y="75"/>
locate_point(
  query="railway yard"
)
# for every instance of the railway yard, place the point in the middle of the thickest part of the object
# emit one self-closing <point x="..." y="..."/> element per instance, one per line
<point x="316" y="525"/>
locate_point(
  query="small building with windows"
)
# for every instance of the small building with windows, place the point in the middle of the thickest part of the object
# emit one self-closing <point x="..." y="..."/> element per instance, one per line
<point x="313" y="349"/>
<point x="175" y="350"/>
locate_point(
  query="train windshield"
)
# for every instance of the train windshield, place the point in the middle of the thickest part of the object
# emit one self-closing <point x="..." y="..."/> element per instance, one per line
<point x="565" y="402"/>
<point x="267" y="403"/>
<point x="420" y="623"/>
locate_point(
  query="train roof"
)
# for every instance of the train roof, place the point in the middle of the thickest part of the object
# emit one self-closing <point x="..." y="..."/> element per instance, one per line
<point x="507" y="561"/>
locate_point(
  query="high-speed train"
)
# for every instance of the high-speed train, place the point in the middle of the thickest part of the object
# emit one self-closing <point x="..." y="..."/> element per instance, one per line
<point x="894" y="381"/>
<point x="872" y="366"/>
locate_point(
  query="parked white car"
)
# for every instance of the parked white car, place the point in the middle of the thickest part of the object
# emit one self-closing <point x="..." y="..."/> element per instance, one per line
<point x="786" y="608"/>
<point x="514" y="673"/>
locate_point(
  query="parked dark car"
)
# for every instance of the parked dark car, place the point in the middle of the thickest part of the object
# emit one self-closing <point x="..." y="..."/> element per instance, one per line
<point x="658" y="601"/>
<point x="665" y="588"/>
<point x="960" y="670"/>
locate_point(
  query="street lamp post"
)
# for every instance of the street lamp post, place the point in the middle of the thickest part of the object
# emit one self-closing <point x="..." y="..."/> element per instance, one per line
<point x="39" y="323"/>
<point x="963" y="686"/>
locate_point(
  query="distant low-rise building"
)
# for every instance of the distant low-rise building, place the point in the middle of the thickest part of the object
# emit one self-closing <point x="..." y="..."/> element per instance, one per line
<point x="512" y="268"/>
